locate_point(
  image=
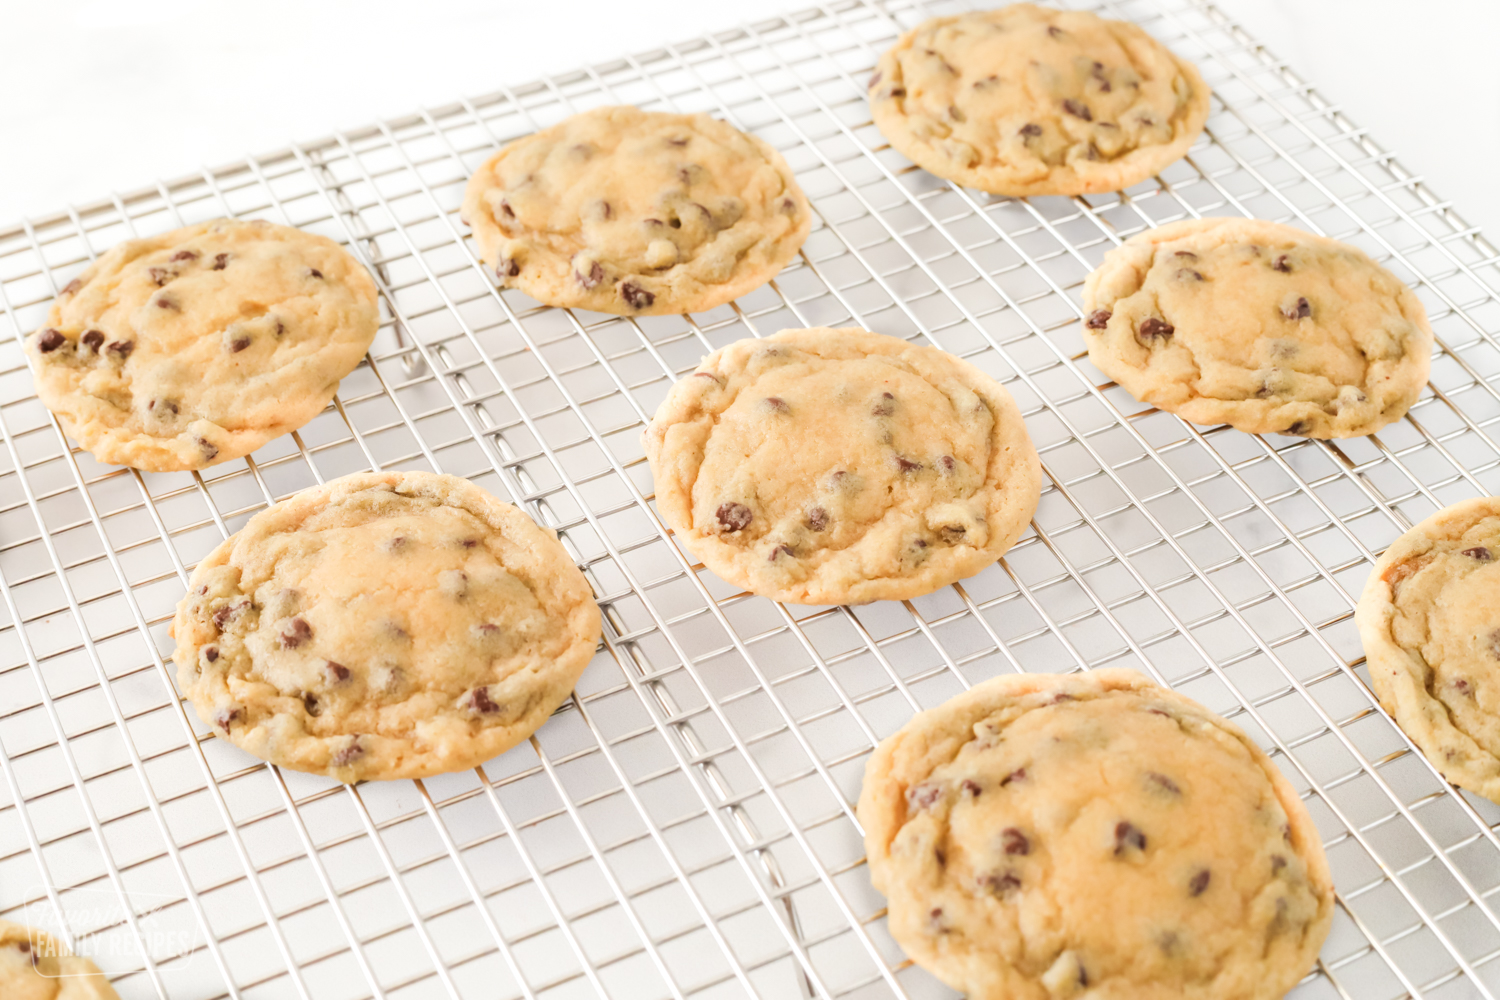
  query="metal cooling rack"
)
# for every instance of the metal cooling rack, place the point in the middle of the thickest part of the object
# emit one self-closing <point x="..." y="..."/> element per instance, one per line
<point x="684" y="827"/>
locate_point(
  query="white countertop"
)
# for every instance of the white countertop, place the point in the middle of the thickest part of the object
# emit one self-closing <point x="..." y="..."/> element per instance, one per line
<point x="101" y="95"/>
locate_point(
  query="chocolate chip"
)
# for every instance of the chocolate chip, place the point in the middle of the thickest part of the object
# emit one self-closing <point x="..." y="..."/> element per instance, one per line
<point x="936" y="921"/>
<point x="280" y="328"/>
<point x="480" y="701"/>
<point x="1153" y="327"/>
<point x="734" y="516"/>
<point x="238" y="344"/>
<point x="898" y="92"/>
<point x="707" y="375"/>
<point x="349" y="754"/>
<point x="1077" y="109"/>
<point x="221" y="261"/>
<point x="1299" y="428"/>
<point x="1031" y="130"/>
<point x="777" y="405"/>
<point x="210" y="450"/>
<point x="470" y="543"/>
<point x="953" y="533"/>
<point x="605" y="210"/>
<point x="779" y="551"/>
<point x="165" y="405"/>
<point x="230" y="612"/>
<point x="1479" y="552"/>
<point x="507" y="268"/>
<point x="228" y="718"/>
<point x="1019" y="774"/>
<point x="1281" y="264"/>
<point x="1299" y="310"/>
<point x="788" y="206"/>
<point x="71" y="288"/>
<point x="1188" y="274"/>
<point x="1098" y="319"/>
<point x="50" y="340"/>
<point x="875" y="80"/>
<point x="884" y="406"/>
<point x="1013" y="841"/>
<point x="121" y="348"/>
<point x="677" y="142"/>
<point x="1199" y="882"/>
<point x="817" y="519"/>
<point x="1128" y="837"/>
<point x="635" y="296"/>
<point x="924" y="795"/>
<point x="310" y="703"/>
<point x="592" y="279"/>
<point x="837" y="479"/>
<point x="184" y="255"/>
<point x="1278" y="862"/>
<point x="161" y="276"/>
<point x="972" y="787"/>
<point x="906" y="465"/>
<point x="93" y="338"/>
<point x="1163" y="782"/>
<point x="167" y="302"/>
<point x="1054" y="31"/>
<point x="942" y="859"/>
<point x="506" y="210"/>
<point x="337" y="671"/>
<point x="947" y="464"/>
<point x="210" y="653"/>
<point x="999" y="883"/>
<point x="296" y="632"/>
<point x="1462" y="686"/>
<point x="313" y="272"/>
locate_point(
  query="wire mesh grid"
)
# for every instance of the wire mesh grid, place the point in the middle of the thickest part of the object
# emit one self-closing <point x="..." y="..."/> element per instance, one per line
<point x="684" y="826"/>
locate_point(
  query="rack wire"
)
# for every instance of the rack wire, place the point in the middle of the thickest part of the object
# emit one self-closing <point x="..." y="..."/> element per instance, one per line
<point x="684" y="826"/>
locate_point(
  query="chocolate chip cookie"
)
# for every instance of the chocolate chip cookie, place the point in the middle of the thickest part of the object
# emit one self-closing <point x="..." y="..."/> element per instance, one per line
<point x="384" y="625"/>
<point x="1259" y="326"/>
<point x="841" y="466"/>
<point x="1093" y="835"/>
<point x="1430" y="621"/>
<point x="190" y="348"/>
<point x="35" y="966"/>
<point x="1024" y="100"/>
<point x="636" y="213"/>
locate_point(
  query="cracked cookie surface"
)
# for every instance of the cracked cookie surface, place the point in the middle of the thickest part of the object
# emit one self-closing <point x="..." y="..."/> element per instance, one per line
<point x="1025" y="100"/>
<point x="384" y="625"/>
<point x="1429" y="619"/>
<point x="1051" y="836"/>
<point x="197" y="346"/>
<point x="36" y="966"/>
<point x="636" y="213"/>
<point x="838" y="466"/>
<point x="1257" y="325"/>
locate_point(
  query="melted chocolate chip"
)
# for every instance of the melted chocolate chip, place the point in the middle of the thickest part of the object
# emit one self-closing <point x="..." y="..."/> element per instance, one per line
<point x="1278" y="862"/>
<point x="635" y="296"/>
<point x="1463" y="687"/>
<point x="1299" y="428"/>
<point x="1199" y="882"/>
<point x="93" y="339"/>
<point x="296" y="632"/>
<point x="1151" y="327"/>
<point x="884" y="406"/>
<point x="777" y="405"/>
<point x="1077" y="109"/>
<point x="734" y="516"/>
<point x="167" y="302"/>
<point x="210" y="450"/>
<point x="506" y="210"/>
<point x="210" y="653"/>
<point x="1163" y="782"/>
<point x="313" y="272"/>
<point x="1188" y="274"/>
<point x="349" y="754"/>
<point x="1013" y="841"/>
<point x="337" y="671"/>
<point x="971" y="787"/>
<point x="898" y="92"/>
<point x="779" y="551"/>
<point x="590" y="280"/>
<point x="161" y="276"/>
<point x="121" y="348"/>
<point x="953" y="533"/>
<point x="1301" y="310"/>
<point x="1281" y="264"/>
<point x="788" y="206"/>
<point x="1186" y="253"/>
<point x="50" y="340"/>
<point x="507" y="268"/>
<point x="71" y="288"/>
<point x="1479" y="552"/>
<point x="924" y="795"/>
<point x="310" y="703"/>
<point x="1030" y="130"/>
<point x="238" y="344"/>
<point x="906" y="465"/>
<point x="999" y="883"/>
<point x="165" y="405"/>
<point x="229" y="612"/>
<point x="228" y="718"/>
<point x="1054" y="31"/>
<point x="480" y="702"/>
<point x="1019" y="774"/>
<point x="469" y="543"/>
<point x="1098" y="319"/>
<point x="184" y="255"/>
<point x="817" y="519"/>
<point x="947" y="464"/>
<point x="221" y="261"/>
<point x="1128" y="837"/>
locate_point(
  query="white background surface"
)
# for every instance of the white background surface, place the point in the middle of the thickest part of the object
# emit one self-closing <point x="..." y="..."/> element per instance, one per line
<point x="101" y="95"/>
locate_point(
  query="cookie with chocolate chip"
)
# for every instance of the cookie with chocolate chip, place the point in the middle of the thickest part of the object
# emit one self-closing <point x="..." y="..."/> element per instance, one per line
<point x="841" y="466"/>
<point x="1025" y="100"/>
<point x="187" y="349"/>
<point x="36" y="966"/>
<point x="1257" y="325"/>
<point x="1429" y="618"/>
<point x="1058" y="836"/>
<point x="384" y="625"/>
<point x="636" y="213"/>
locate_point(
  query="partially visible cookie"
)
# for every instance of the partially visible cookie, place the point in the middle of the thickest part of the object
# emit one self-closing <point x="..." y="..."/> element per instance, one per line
<point x="841" y="466"/>
<point x="1429" y="618"/>
<point x="1257" y="325"/>
<point x="36" y="966"/>
<point x="1093" y="835"/>
<point x="190" y="348"/>
<point x="384" y="625"/>
<point x="636" y="213"/>
<point x="1025" y="100"/>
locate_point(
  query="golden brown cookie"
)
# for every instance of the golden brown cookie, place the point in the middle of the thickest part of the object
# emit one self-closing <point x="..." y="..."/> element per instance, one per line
<point x="1093" y="835"/>
<point x="1025" y="100"/>
<point x="1257" y="325"/>
<point x="1430" y="622"/>
<point x="190" y="348"/>
<point x="384" y="625"/>
<point x="636" y="213"/>
<point x="841" y="466"/>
